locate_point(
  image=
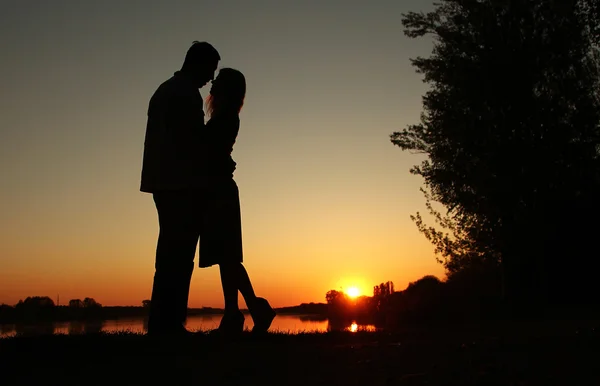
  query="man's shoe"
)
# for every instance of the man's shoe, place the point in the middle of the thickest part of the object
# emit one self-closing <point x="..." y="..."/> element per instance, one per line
<point x="232" y="323"/>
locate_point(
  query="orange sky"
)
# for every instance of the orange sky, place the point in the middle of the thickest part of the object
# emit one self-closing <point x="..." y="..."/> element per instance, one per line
<point x="326" y="197"/>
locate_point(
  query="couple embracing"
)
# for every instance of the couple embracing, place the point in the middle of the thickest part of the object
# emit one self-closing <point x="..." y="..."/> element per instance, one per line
<point x="188" y="169"/>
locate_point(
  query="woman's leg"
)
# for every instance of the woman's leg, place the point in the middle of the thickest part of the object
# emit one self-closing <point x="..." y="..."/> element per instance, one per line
<point x="234" y="277"/>
<point x="260" y="309"/>
<point x="229" y="282"/>
<point x="245" y="285"/>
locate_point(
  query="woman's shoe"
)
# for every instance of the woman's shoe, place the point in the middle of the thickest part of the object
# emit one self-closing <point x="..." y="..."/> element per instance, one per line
<point x="232" y="323"/>
<point x="262" y="314"/>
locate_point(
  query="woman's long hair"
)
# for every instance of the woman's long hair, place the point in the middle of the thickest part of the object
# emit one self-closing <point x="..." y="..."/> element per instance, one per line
<point x="227" y="93"/>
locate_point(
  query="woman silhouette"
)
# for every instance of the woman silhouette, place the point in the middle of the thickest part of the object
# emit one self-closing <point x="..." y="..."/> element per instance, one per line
<point x="222" y="226"/>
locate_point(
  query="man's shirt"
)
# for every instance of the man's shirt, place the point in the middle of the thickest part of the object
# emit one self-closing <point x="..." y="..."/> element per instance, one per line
<point x="173" y="139"/>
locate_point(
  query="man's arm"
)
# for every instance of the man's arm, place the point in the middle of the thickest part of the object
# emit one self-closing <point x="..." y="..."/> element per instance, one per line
<point x="185" y="124"/>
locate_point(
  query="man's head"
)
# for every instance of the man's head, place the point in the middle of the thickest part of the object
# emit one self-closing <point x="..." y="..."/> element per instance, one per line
<point x="201" y="62"/>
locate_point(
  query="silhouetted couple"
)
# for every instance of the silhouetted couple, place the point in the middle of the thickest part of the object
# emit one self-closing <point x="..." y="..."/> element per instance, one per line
<point x="188" y="168"/>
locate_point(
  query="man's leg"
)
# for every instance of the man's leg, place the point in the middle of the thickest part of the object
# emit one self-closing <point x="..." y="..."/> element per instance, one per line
<point x="176" y="247"/>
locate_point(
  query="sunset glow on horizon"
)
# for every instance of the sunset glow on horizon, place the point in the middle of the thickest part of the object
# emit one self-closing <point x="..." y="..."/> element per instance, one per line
<point x="325" y="196"/>
<point x="353" y="292"/>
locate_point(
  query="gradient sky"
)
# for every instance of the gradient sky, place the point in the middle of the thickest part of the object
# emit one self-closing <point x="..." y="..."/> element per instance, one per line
<point x="326" y="198"/>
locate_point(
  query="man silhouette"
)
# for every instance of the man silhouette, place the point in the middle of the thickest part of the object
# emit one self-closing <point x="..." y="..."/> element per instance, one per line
<point x="172" y="172"/>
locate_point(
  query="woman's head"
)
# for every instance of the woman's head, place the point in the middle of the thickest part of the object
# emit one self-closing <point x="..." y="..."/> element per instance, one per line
<point x="227" y="92"/>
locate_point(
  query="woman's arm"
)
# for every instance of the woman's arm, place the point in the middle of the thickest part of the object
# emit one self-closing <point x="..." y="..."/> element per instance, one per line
<point x="219" y="136"/>
<point x="221" y="133"/>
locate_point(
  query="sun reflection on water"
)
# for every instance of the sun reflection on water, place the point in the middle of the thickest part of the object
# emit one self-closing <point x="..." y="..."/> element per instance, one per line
<point x="291" y="324"/>
<point x="353" y="327"/>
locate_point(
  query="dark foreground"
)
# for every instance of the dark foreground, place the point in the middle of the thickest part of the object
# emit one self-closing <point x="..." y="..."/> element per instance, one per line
<point x="523" y="354"/>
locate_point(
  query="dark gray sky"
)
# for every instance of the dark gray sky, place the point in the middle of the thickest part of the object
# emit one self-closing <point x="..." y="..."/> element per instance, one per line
<point x="326" y="197"/>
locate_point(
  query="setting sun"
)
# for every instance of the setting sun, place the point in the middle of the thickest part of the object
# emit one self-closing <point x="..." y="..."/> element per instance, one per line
<point x="353" y="292"/>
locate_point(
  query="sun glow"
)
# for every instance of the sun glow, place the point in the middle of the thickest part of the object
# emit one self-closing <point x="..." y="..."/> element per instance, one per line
<point x="353" y="292"/>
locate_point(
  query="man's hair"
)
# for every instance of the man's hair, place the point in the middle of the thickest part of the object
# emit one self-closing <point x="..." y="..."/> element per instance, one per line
<point x="199" y="54"/>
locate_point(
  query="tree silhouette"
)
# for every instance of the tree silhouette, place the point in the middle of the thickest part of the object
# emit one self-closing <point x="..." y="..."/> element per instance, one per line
<point x="36" y="302"/>
<point x="383" y="290"/>
<point x="91" y="303"/>
<point x="333" y="296"/>
<point x="510" y="130"/>
<point x="146" y="303"/>
<point x="381" y="294"/>
<point x="35" y="308"/>
<point x="7" y="313"/>
<point x="75" y="303"/>
<point x="338" y="305"/>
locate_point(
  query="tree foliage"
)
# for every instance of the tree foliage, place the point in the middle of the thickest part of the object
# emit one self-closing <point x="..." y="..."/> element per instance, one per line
<point x="75" y="303"/>
<point x="510" y="130"/>
<point x="91" y="303"/>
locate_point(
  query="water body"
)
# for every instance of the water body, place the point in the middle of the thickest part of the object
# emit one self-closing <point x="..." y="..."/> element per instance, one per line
<point x="291" y="324"/>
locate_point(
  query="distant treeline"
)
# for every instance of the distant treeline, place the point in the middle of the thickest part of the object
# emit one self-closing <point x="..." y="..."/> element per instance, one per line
<point x="317" y="309"/>
<point x="43" y="309"/>
<point x="467" y="297"/>
<point x="470" y="296"/>
<point x="64" y="313"/>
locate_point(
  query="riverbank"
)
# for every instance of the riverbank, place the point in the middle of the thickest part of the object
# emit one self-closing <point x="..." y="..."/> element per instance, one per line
<point x="516" y="354"/>
<point x="54" y="314"/>
<point x="282" y="323"/>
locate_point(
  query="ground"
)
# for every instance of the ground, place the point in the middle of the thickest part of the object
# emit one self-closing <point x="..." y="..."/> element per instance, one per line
<point x="524" y="354"/>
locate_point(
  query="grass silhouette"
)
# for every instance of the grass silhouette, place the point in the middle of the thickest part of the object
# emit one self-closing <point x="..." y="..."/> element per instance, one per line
<point x="493" y="355"/>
